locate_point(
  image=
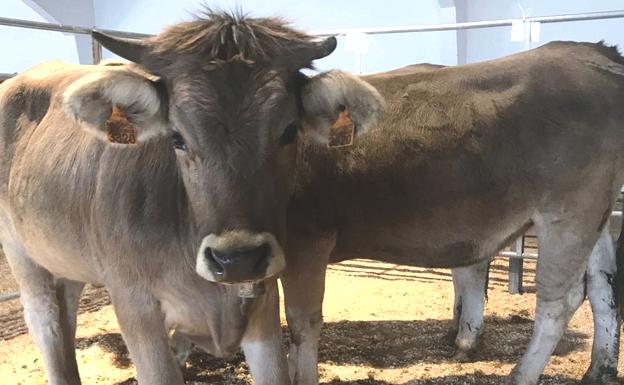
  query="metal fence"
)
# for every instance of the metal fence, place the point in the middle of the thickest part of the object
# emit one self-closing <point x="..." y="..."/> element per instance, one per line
<point x="517" y="254"/>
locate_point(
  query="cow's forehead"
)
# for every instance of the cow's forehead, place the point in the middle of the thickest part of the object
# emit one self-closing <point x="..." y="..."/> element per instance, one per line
<point x="217" y="107"/>
<point x="232" y="82"/>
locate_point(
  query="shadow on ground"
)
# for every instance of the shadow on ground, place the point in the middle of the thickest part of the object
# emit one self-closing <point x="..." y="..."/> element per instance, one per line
<point x="109" y="342"/>
<point x="469" y="379"/>
<point x="385" y="344"/>
<point x="378" y="344"/>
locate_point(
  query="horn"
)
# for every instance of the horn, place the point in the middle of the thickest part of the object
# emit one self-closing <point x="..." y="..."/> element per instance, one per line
<point x="130" y="49"/>
<point x="323" y="47"/>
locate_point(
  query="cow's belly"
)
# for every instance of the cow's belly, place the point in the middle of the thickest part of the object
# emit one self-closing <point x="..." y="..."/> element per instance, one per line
<point x="451" y="243"/>
<point x="40" y="245"/>
<point x="60" y="249"/>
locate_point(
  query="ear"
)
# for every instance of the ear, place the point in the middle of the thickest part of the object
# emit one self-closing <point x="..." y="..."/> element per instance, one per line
<point x="338" y="106"/>
<point x="117" y="104"/>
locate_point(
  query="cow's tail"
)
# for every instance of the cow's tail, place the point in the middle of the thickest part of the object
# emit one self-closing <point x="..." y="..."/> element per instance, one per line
<point x="619" y="274"/>
<point x="487" y="279"/>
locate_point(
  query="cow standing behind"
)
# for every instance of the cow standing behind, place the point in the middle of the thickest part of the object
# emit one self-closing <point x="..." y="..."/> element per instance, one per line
<point x="195" y="185"/>
<point x="469" y="284"/>
<point x="464" y="161"/>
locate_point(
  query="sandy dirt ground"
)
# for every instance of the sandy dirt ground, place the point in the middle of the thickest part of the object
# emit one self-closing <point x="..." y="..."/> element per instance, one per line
<point x="385" y="324"/>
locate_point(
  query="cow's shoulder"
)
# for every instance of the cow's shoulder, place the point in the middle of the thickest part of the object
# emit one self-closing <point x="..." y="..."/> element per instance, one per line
<point x="26" y="99"/>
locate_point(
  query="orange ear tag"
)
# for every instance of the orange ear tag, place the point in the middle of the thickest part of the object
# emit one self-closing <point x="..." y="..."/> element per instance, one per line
<point x="341" y="133"/>
<point x="119" y="129"/>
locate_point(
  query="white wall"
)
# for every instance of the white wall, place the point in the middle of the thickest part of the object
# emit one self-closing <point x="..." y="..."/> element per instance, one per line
<point x="70" y="12"/>
<point x="24" y="48"/>
<point x="484" y="44"/>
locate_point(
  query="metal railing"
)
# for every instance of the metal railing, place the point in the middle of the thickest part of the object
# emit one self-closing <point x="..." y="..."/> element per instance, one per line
<point x="97" y="48"/>
<point x="66" y="28"/>
<point x="517" y="254"/>
<point x="473" y="24"/>
<point x="4" y="77"/>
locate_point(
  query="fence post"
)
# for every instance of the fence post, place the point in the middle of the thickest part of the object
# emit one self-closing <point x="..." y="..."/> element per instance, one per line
<point x="96" y="51"/>
<point x="516" y="268"/>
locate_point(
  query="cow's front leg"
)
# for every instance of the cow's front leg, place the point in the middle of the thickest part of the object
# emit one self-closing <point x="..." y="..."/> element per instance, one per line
<point x="143" y="328"/>
<point x="469" y="284"/>
<point x="262" y="342"/>
<point x="304" y="287"/>
<point x="601" y="273"/>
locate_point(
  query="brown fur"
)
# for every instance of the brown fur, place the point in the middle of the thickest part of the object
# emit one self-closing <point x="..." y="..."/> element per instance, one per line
<point x="223" y="36"/>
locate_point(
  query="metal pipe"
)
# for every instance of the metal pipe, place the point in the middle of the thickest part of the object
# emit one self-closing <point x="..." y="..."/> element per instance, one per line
<point x="66" y="28"/>
<point x="4" y="77"/>
<point x="19" y="23"/>
<point x="9" y="296"/>
<point x="472" y="24"/>
<point x="96" y="51"/>
<point x="512" y="254"/>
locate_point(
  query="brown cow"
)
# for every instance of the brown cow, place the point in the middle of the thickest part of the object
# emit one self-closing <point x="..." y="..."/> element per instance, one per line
<point x="465" y="160"/>
<point x="195" y="184"/>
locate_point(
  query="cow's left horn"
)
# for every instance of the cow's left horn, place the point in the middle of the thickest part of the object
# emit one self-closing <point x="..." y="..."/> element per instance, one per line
<point x="323" y="47"/>
<point x="130" y="49"/>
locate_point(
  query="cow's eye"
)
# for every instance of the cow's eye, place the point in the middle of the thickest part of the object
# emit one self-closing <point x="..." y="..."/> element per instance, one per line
<point x="290" y="134"/>
<point x="178" y="142"/>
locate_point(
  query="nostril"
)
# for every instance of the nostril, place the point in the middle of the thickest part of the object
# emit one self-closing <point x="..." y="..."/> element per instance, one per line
<point x="264" y="251"/>
<point x="211" y="255"/>
<point x="221" y="258"/>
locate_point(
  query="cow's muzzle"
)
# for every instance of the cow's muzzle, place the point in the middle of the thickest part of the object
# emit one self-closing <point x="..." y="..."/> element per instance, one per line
<point x="239" y="256"/>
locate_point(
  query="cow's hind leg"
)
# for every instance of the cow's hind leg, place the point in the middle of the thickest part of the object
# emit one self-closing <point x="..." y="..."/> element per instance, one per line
<point x="470" y="284"/>
<point x="50" y="308"/>
<point x="600" y="290"/>
<point x="566" y="238"/>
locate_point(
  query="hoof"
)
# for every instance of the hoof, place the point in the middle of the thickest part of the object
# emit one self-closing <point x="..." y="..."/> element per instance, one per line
<point x="515" y="378"/>
<point x="602" y="376"/>
<point x="464" y="355"/>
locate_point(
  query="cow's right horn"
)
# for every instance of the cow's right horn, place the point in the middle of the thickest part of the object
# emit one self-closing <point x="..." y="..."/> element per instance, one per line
<point x="130" y="49"/>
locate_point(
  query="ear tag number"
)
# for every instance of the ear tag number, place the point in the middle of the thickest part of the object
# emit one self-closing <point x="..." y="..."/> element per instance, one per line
<point x="119" y="129"/>
<point x="341" y="133"/>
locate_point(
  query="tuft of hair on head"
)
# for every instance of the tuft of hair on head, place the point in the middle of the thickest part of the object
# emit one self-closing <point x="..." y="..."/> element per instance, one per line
<point x="222" y="36"/>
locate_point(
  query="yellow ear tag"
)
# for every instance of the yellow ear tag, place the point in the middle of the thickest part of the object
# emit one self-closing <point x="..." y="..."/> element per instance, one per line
<point x="341" y="133"/>
<point x="119" y="129"/>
